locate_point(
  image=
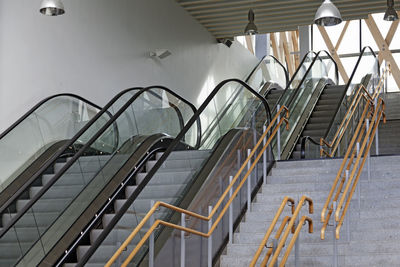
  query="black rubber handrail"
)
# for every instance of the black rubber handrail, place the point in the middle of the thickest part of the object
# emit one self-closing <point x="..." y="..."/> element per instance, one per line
<point x="38" y="105"/>
<point x="292" y="78"/>
<point x="342" y="97"/>
<point x="303" y="145"/>
<point x="54" y="179"/>
<point x="159" y="163"/>
<point x="276" y="60"/>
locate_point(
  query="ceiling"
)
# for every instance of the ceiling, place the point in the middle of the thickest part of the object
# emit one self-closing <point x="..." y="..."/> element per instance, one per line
<point x="228" y="18"/>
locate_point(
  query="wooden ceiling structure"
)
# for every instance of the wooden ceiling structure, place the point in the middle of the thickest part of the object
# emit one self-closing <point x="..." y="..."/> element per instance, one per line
<point x="228" y="18"/>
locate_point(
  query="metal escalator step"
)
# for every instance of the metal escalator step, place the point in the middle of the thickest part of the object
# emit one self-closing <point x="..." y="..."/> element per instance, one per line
<point x="156" y="191"/>
<point x="102" y="253"/>
<point x="317" y="126"/>
<point x="319" y="120"/>
<point x="45" y="205"/>
<point x="69" y="178"/>
<point x="31" y="220"/>
<point x="173" y="165"/>
<point x="57" y="191"/>
<point x="167" y="177"/>
<point x="322" y="113"/>
<point x="329" y="96"/>
<point x="314" y="133"/>
<point x="141" y="205"/>
<point x="22" y="234"/>
<point x="187" y="154"/>
<point x="331" y="102"/>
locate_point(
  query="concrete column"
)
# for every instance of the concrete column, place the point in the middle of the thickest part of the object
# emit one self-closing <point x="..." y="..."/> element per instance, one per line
<point x="305" y="40"/>
<point x="262" y="45"/>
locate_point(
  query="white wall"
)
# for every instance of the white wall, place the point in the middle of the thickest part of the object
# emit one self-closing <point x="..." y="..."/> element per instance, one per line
<point x="100" y="47"/>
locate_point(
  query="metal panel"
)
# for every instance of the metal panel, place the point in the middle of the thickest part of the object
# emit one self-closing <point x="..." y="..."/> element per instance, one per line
<point x="227" y="18"/>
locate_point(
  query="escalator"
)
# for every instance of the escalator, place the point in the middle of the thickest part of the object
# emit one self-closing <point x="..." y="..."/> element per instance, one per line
<point x="46" y="207"/>
<point x="331" y="107"/>
<point x="50" y="124"/>
<point x="42" y="210"/>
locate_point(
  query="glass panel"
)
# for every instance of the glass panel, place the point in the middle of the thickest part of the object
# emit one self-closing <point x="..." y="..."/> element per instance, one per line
<point x="270" y="70"/>
<point x="58" y="119"/>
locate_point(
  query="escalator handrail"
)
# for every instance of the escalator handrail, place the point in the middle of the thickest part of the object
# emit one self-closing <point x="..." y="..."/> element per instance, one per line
<point x="54" y="179"/>
<point x="302" y="153"/>
<point x="317" y="56"/>
<point x="277" y="61"/>
<point x="349" y="83"/>
<point x="160" y="162"/>
<point x="38" y="105"/>
<point x="306" y="56"/>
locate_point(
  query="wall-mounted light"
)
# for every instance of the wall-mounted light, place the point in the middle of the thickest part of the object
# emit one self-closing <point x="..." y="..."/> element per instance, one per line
<point x="390" y="14"/>
<point x="327" y="14"/>
<point x="52" y="8"/>
<point x="160" y="53"/>
<point x="251" y="28"/>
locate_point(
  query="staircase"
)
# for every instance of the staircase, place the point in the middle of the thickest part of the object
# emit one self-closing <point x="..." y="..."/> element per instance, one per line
<point x="47" y="209"/>
<point x="322" y="115"/>
<point x="374" y="229"/>
<point x="165" y="186"/>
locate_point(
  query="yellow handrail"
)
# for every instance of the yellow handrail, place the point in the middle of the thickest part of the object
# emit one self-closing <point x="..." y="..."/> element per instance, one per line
<point x="352" y="181"/>
<point x="350" y="153"/>
<point x="285" y="201"/>
<point x="290" y="226"/>
<point x="285" y="221"/>
<point x="296" y="235"/>
<point x="216" y="207"/>
<point x="379" y="113"/>
<point x="362" y="92"/>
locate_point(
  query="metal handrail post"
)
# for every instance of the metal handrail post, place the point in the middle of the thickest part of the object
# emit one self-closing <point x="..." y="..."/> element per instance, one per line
<point x="230" y="213"/>
<point x="278" y="135"/>
<point x="274" y="247"/>
<point x="377" y="132"/>
<point x="347" y="218"/>
<point x="249" y="182"/>
<point x="209" y="253"/>
<point x="335" y="245"/>
<point x="183" y="242"/>
<point x="265" y="157"/>
<point x="151" y="239"/>
<point x="297" y="247"/>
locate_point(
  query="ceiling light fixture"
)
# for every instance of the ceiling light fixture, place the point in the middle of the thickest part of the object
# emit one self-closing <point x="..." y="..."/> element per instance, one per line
<point x="327" y="14"/>
<point x="52" y="8"/>
<point x="390" y="14"/>
<point x="251" y="28"/>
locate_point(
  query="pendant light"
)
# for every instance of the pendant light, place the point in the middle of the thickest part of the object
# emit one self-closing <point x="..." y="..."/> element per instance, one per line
<point x="327" y="14"/>
<point x="251" y="28"/>
<point x="390" y="14"/>
<point x="52" y="8"/>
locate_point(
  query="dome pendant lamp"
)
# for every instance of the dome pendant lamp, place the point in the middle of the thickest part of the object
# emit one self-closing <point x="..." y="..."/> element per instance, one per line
<point x="390" y="14"/>
<point x="251" y="28"/>
<point x="327" y="14"/>
<point x="52" y="8"/>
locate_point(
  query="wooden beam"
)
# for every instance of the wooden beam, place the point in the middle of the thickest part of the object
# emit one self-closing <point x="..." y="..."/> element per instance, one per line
<point x="339" y="41"/>
<point x="274" y="45"/>
<point x="249" y="43"/>
<point x="287" y="53"/>
<point x="383" y="48"/>
<point x="335" y="56"/>
<point x="295" y="48"/>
